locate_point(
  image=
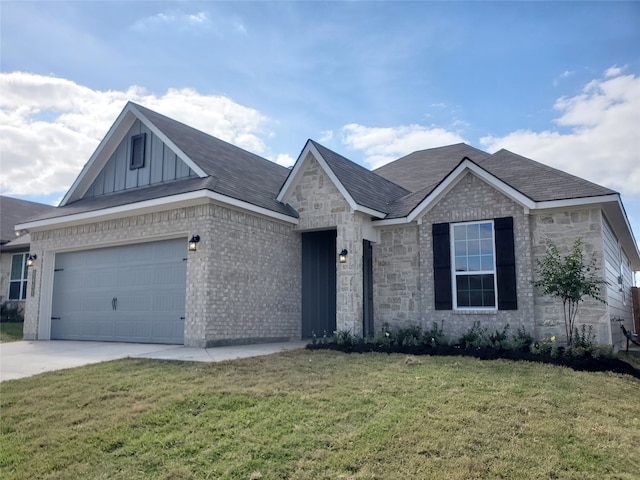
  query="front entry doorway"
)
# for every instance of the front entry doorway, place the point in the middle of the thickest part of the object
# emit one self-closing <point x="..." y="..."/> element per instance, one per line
<point x="318" y="283"/>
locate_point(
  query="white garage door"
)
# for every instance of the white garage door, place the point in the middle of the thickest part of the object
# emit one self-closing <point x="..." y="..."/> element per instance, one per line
<point x="132" y="293"/>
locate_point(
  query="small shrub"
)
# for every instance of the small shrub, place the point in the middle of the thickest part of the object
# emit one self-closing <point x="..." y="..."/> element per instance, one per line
<point x="435" y="336"/>
<point x="544" y="346"/>
<point x="500" y="338"/>
<point x="410" y="336"/>
<point x="10" y="312"/>
<point x="584" y="337"/>
<point x="521" y="340"/>
<point x="475" y="337"/>
<point x="603" y="352"/>
<point x="345" y="337"/>
<point x="575" y="352"/>
<point x="384" y="337"/>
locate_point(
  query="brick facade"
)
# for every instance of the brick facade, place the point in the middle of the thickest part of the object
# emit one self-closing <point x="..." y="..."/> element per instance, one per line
<point x="562" y="228"/>
<point x="243" y="282"/>
<point x="473" y="199"/>
<point x="321" y="206"/>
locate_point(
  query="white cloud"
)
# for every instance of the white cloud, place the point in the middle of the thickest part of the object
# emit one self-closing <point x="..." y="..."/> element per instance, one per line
<point x="327" y="135"/>
<point x="49" y="126"/>
<point x="602" y="143"/>
<point x="383" y="145"/>
<point x="176" y="18"/>
<point x="285" y="160"/>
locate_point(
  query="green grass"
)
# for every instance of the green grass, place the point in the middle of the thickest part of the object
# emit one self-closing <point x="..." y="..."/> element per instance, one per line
<point x="321" y="415"/>
<point x="11" y="331"/>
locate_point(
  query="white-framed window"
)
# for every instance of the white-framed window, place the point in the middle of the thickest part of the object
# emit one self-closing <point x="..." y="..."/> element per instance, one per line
<point x="473" y="257"/>
<point x="18" y="279"/>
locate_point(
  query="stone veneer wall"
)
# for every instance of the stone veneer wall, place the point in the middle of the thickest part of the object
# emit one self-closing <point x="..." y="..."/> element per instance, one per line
<point x="396" y="278"/>
<point x="321" y="206"/>
<point x="242" y="282"/>
<point x="562" y="228"/>
<point x="472" y="199"/>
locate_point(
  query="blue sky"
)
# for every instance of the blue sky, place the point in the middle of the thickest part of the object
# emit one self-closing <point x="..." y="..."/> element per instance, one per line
<point x="558" y="82"/>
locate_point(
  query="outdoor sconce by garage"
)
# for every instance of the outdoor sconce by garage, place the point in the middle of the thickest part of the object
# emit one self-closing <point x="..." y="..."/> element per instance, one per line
<point x="342" y="258"/>
<point x="193" y="243"/>
<point x="31" y="259"/>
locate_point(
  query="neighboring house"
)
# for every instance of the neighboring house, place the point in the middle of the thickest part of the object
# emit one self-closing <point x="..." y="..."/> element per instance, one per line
<point x="14" y="249"/>
<point x="446" y="234"/>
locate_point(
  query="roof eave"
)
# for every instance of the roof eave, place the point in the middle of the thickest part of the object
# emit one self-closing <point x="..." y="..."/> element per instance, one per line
<point x="156" y="204"/>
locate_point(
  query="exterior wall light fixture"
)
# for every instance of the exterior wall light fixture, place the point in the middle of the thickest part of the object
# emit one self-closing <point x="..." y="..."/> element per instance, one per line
<point x="31" y="259"/>
<point x="342" y="258"/>
<point x="193" y="243"/>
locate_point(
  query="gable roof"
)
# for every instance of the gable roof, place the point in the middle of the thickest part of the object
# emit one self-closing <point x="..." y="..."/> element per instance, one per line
<point x="365" y="187"/>
<point x="423" y="171"/>
<point x="229" y="171"/>
<point x="14" y="211"/>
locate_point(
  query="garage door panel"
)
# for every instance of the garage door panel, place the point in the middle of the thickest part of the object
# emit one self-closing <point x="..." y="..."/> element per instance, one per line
<point x="133" y="293"/>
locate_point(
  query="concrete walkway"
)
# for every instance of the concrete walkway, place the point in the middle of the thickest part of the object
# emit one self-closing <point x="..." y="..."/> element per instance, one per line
<point x="27" y="358"/>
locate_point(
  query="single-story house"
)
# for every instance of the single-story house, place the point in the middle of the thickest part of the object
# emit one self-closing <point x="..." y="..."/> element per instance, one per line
<point x="14" y="248"/>
<point x="170" y="235"/>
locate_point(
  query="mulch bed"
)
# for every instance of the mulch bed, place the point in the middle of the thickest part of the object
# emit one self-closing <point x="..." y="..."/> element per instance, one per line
<point x="587" y="364"/>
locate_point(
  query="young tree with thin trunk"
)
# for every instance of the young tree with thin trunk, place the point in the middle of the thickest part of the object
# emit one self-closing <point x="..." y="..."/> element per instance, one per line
<point x="571" y="279"/>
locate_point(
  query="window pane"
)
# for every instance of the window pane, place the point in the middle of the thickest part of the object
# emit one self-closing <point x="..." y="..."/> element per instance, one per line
<point x="487" y="282"/>
<point x="461" y="264"/>
<point x="486" y="230"/>
<point x="473" y="247"/>
<point x="473" y="232"/>
<point x="486" y="246"/>
<point x="460" y="233"/>
<point x="489" y="298"/>
<point x="474" y="263"/>
<point x="16" y="266"/>
<point x="14" y="290"/>
<point x="462" y="282"/>
<point x="460" y="248"/>
<point x="24" y="291"/>
<point x="487" y="262"/>
<point x="475" y="298"/>
<point x="463" y="299"/>
<point x="475" y="282"/>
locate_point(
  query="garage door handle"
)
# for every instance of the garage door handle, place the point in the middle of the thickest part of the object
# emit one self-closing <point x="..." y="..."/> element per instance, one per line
<point x="114" y="303"/>
<point x="56" y="318"/>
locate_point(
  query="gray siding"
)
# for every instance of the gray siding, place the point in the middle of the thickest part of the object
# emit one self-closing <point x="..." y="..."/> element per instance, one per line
<point x="618" y="274"/>
<point x="161" y="164"/>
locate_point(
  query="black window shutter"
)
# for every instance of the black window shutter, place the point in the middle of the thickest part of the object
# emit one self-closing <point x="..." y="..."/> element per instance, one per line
<point x="442" y="266"/>
<point x="505" y="264"/>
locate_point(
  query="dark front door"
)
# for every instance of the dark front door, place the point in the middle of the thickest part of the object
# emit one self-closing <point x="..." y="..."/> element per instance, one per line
<point x="367" y="282"/>
<point x="318" y="283"/>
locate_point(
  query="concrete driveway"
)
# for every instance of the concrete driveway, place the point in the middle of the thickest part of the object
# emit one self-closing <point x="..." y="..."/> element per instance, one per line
<point x="27" y="358"/>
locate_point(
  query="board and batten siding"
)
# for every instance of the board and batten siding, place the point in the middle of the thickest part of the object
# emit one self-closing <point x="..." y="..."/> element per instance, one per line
<point x="619" y="276"/>
<point x="161" y="164"/>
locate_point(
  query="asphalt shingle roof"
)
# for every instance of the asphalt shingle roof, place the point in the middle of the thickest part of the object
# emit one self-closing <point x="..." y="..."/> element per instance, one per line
<point x="14" y="211"/>
<point x="366" y="187"/>
<point x="241" y="175"/>
<point x="537" y="181"/>
<point x="394" y="189"/>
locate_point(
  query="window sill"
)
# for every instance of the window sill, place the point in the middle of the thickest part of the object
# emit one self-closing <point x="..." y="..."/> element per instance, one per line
<point x="475" y="312"/>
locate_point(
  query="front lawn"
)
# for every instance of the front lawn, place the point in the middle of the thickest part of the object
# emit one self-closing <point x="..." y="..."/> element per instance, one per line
<point x="322" y="415"/>
<point x="11" y="331"/>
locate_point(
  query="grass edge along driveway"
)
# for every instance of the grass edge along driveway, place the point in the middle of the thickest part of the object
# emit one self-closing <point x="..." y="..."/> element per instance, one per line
<point x="320" y="414"/>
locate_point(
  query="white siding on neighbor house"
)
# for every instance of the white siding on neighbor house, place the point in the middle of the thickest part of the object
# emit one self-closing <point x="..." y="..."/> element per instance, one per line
<point x="161" y="164"/>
